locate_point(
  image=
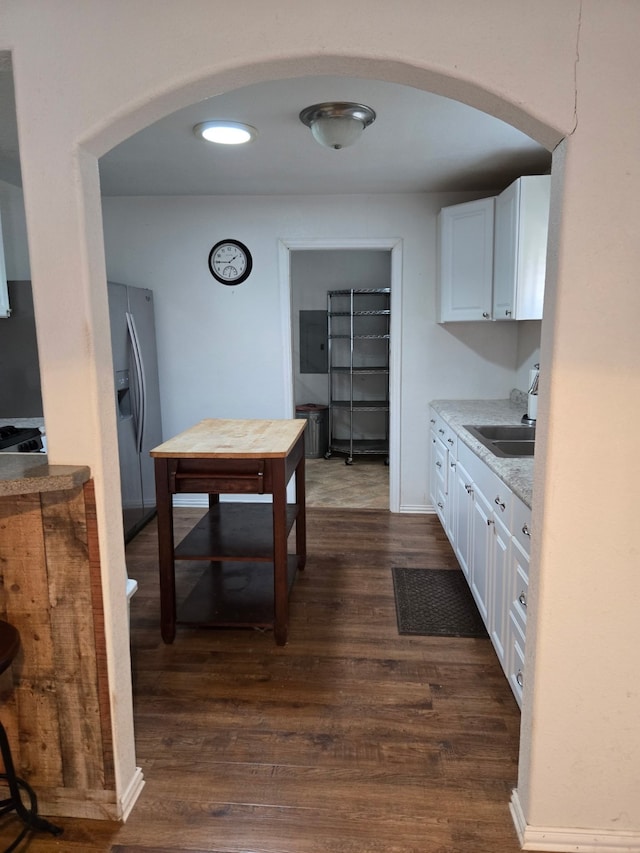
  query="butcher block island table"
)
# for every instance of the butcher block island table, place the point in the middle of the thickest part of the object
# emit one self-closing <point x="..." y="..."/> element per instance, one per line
<point x="251" y="572"/>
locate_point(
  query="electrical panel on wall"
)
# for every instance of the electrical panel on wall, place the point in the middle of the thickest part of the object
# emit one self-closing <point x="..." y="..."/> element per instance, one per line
<point x="5" y="310"/>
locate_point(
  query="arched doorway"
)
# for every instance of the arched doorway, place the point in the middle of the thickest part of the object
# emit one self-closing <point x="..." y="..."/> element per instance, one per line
<point x="379" y="70"/>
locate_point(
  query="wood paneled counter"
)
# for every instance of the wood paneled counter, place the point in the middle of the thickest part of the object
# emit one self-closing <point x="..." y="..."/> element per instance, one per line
<point x="250" y="571"/>
<point x="54" y="699"/>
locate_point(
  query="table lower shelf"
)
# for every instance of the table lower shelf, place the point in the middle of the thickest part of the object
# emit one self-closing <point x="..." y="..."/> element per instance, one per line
<point x="233" y="531"/>
<point x="234" y="594"/>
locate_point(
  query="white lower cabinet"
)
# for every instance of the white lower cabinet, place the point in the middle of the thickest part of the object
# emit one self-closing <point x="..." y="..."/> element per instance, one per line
<point x="489" y="530"/>
<point x="519" y="578"/>
<point x="438" y="477"/>
<point x="442" y="465"/>
<point x="481" y="542"/>
<point x="500" y="592"/>
<point x="461" y="511"/>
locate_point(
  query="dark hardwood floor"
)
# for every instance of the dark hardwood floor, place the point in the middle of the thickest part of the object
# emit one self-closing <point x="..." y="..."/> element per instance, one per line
<point x="350" y="739"/>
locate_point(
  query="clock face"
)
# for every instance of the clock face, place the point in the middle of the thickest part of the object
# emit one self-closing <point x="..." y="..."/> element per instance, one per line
<point x="230" y="262"/>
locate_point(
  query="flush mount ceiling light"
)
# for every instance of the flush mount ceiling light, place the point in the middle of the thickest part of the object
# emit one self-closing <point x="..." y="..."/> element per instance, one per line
<point x="337" y="124"/>
<point x="225" y="132"/>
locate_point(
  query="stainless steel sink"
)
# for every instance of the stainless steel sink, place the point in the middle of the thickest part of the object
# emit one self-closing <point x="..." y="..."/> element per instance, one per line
<point x="506" y="440"/>
<point x="512" y="448"/>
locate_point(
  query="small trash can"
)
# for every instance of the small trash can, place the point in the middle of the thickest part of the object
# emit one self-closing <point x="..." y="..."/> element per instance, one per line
<point x="316" y="435"/>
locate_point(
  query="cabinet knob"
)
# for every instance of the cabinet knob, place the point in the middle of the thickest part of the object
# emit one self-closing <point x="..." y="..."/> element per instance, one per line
<point x="452" y="465"/>
<point x="441" y="431"/>
<point x="438" y="464"/>
<point x="432" y="420"/>
<point x="486" y="315"/>
<point x="450" y="441"/>
<point x="522" y="599"/>
<point x="441" y="505"/>
<point x="500" y="503"/>
<point x="490" y="521"/>
<point x="507" y="313"/>
<point x="525" y="530"/>
<point x="520" y="678"/>
<point x="468" y="488"/>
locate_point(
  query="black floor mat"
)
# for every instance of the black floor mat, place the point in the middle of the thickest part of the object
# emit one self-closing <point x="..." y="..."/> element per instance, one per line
<point x="435" y="602"/>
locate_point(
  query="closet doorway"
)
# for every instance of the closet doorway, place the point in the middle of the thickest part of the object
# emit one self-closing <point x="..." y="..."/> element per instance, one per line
<point x="337" y="478"/>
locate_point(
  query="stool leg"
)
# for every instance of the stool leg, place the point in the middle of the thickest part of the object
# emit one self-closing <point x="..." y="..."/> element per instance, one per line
<point x="29" y="816"/>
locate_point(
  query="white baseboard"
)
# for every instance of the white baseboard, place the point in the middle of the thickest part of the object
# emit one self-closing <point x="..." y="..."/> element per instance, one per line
<point x="570" y="840"/>
<point x="128" y="799"/>
<point x="419" y="509"/>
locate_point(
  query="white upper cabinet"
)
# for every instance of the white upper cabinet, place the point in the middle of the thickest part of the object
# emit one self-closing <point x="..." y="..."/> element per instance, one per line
<point x="492" y="254"/>
<point x="466" y="261"/>
<point x="520" y="249"/>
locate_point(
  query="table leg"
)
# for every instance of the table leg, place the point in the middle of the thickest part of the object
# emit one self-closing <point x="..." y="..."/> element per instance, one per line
<point x="280" y="580"/>
<point x="301" y="518"/>
<point x="166" y="566"/>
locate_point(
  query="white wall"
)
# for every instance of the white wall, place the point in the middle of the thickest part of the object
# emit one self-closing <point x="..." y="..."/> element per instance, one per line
<point x="529" y="332"/>
<point x="221" y="349"/>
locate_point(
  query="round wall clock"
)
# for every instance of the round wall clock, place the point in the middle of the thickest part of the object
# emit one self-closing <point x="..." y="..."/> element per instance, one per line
<point x="230" y="262"/>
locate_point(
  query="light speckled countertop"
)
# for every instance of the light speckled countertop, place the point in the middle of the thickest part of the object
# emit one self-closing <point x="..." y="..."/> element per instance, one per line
<point x="516" y="473"/>
<point x="26" y="473"/>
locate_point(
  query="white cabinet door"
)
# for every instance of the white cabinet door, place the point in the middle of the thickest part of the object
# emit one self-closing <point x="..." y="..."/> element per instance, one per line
<point x="520" y="249"/>
<point x="519" y="578"/>
<point x="466" y="261"/>
<point x="501" y="586"/>
<point x="462" y="509"/>
<point x="480" y="553"/>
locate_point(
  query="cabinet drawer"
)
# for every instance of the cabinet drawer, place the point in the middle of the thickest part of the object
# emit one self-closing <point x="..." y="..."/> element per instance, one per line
<point x="516" y="668"/>
<point x="220" y="476"/>
<point x="521" y="525"/>
<point x="439" y="462"/>
<point x="496" y="493"/>
<point x="443" y="431"/>
<point x="518" y="605"/>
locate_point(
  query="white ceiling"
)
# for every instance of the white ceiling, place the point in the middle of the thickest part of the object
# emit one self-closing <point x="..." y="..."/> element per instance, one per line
<point x="420" y="142"/>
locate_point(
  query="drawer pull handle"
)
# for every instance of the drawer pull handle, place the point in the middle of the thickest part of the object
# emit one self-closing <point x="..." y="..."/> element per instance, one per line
<point x="450" y="441"/>
<point x="468" y="488"/>
<point x="441" y="431"/>
<point x="438" y="464"/>
<point x="440" y="504"/>
<point x="490" y="521"/>
<point x="500" y="503"/>
<point x="522" y="599"/>
<point x="433" y="420"/>
<point x="525" y="530"/>
<point x="520" y="678"/>
<point x="452" y="465"/>
<point x="486" y="315"/>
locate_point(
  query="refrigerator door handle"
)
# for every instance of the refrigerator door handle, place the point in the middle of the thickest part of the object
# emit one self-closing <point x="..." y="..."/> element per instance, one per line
<point x="140" y="377"/>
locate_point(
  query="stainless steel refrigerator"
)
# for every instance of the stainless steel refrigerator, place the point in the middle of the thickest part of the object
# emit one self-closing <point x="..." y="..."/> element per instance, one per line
<point x="135" y="363"/>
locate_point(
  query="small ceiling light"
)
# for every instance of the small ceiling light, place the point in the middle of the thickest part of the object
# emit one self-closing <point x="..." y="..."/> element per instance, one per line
<point x="225" y="132"/>
<point x="335" y="124"/>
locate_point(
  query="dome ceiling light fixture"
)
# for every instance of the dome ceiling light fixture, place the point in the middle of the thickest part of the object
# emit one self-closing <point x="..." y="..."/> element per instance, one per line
<point x="225" y="132"/>
<point x="337" y="124"/>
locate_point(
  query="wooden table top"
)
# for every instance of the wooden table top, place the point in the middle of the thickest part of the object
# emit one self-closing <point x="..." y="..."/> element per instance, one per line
<point x="216" y="438"/>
